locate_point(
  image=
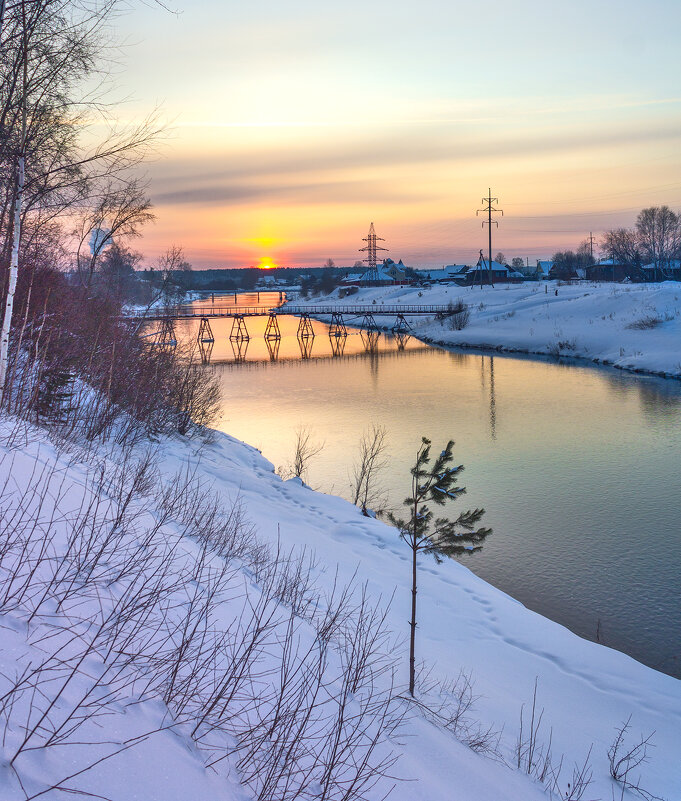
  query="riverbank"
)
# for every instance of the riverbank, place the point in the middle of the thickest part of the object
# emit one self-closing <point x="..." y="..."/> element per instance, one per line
<point x="633" y="327"/>
<point x="586" y="690"/>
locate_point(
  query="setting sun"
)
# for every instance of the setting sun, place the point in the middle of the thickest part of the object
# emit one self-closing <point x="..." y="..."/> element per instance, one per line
<point x="267" y="264"/>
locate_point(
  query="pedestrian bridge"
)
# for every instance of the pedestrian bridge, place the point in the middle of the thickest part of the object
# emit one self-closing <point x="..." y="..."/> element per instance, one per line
<point x="364" y="315"/>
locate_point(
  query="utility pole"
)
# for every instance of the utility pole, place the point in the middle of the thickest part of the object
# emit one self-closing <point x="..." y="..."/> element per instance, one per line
<point x="489" y="208"/>
<point x="371" y="250"/>
<point x="591" y="243"/>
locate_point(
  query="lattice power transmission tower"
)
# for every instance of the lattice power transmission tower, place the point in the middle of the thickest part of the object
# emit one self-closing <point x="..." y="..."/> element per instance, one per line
<point x="489" y="210"/>
<point x="371" y="249"/>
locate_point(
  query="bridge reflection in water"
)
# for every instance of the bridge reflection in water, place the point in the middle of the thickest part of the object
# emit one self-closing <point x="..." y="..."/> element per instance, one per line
<point x="284" y="338"/>
<point x="309" y="346"/>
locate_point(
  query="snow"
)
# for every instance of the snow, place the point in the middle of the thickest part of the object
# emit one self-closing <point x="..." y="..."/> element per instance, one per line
<point x="583" y="320"/>
<point x="586" y="689"/>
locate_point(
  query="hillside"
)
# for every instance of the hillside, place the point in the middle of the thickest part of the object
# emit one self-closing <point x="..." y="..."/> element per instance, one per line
<point x="216" y="517"/>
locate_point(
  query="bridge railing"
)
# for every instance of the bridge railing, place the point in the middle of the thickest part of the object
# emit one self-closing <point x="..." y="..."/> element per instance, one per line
<point x="360" y="309"/>
<point x="356" y="310"/>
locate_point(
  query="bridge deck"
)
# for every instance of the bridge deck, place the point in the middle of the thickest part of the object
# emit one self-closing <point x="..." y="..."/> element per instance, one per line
<point x="212" y="311"/>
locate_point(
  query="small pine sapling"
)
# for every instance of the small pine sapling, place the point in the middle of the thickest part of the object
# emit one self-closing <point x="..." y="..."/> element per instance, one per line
<point x="438" y="537"/>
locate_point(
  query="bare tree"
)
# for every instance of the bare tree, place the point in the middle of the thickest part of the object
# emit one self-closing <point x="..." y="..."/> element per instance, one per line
<point x="118" y="213"/>
<point x="371" y="461"/>
<point x="305" y="449"/>
<point x="658" y="230"/>
<point x="622" y="245"/>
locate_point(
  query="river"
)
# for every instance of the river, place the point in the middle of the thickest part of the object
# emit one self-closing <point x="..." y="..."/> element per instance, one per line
<point x="576" y="466"/>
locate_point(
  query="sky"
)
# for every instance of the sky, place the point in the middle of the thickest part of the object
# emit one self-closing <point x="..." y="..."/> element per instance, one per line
<point x="292" y="125"/>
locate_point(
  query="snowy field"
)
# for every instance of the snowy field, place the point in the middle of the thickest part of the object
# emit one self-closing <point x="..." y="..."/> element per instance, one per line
<point x="586" y="691"/>
<point x="630" y="326"/>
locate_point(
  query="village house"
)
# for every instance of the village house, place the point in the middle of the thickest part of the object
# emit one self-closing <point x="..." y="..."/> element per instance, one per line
<point x="500" y="273"/>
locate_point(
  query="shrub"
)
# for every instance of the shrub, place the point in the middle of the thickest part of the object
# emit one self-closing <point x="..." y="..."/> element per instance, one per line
<point x="649" y="321"/>
<point x="459" y="315"/>
<point x="75" y="363"/>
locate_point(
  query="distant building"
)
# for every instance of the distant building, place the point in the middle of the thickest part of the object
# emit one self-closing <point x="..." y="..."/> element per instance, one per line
<point x="611" y="270"/>
<point x="351" y="278"/>
<point x="451" y="272"/>
<point x="669" y="270"/>
<point x="389" y="272"/>
<point x="501" y="274"/>
<point x="543" y="269"/>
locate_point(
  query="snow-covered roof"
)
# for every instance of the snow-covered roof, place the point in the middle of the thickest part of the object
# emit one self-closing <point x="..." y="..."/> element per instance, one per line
<point x="380" y="274"/>
<point x="443" y="273"/>
<point x="672" y="264"/>
<point x="456" y="269"/>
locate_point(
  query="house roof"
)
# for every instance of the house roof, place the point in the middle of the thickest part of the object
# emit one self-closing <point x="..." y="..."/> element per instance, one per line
<point x="382" y="274"/>
<point x="497" y="267"/>
<point x="443" y="273"/>
<point x="671" y="264"/>
<point x="456" y="269"/>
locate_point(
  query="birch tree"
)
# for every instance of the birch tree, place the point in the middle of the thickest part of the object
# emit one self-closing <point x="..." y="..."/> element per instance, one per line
<point x="19" y="193"/>
<point x="52" y="53"/>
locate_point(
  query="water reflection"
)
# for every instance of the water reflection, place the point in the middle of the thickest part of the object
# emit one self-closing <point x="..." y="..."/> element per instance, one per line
<point x="306" y="343"/>
<point x="239" y="349"/>
<point x="273" y="348"/>
<point x="206" y="349"/>
<point x="573" y="464"/>
<point x="338" y="345"/>
<point x="370" y="340"/>
<point x="297" y="340"/>
<point x="402" y="339"/>
<point x="492" y="401"/>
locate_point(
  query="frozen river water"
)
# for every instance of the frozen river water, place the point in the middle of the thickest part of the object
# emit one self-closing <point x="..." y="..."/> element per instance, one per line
<point x="577" y="467"/>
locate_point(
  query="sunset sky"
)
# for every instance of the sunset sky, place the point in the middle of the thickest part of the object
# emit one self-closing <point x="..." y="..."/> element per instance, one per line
<point x="294" y="124"/>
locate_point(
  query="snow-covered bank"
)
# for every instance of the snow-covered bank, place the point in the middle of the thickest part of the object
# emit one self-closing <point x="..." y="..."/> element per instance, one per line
<point x="633" y="327"/>
<point x="465" y="624"/>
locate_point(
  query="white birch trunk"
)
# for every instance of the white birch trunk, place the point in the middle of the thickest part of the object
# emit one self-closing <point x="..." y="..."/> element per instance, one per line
<point x="12" y="285"/>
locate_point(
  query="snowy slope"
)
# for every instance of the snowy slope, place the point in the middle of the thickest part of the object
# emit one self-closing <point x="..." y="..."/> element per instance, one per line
<point x="589" y="321"/>
<point x="586" y="690"/>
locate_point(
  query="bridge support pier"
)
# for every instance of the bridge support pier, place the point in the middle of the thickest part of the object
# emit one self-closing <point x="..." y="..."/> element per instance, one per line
<point x="165" y="337"/>
<point x="305" y="329"/>
<point x="272" y="328"/>
<point x="369" y="322"/>
<point x="337" y="327"/>
<point x="205" y="331"/>
<point x="401" y="325"/>
<point x="239" y="330"/>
